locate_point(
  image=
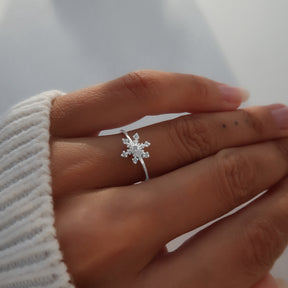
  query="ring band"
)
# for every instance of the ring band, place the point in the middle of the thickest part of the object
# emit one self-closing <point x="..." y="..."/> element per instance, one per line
<point x="135" y="149"/>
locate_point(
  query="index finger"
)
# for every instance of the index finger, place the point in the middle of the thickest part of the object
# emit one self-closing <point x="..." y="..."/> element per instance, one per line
<point x="135" y="95"/>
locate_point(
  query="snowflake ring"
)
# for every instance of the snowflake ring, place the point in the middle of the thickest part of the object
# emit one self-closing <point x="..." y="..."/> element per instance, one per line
<point x="136" y="150"/>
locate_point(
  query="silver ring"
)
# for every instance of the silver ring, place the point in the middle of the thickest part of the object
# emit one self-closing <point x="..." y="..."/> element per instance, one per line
<point x="135" y="149"/>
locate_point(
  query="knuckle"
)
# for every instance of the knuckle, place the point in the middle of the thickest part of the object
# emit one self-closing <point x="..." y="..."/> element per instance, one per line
<point x="139" y="83"/>
<point x="237" y="175"/>
<point x="190" y="136"/>
<point x="262" y="244"/>
<point x="254" y="122"/>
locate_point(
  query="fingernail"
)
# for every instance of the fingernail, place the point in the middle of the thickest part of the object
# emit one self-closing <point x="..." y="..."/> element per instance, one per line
<point x="267" y="282"/>
<point x="281" y="283"/>
<point x="280" y="115"/>
<point x="234" y="94"/>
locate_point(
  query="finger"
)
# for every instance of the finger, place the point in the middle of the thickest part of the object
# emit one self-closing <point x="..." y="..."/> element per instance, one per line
<point x="174" y="143"/>
<point x="267" y="282"/>
<point x="237" y="252"/>
<point x="189" y="197"/>
<point x="135" y="95"/>
<point x="99" y="240"/>
<point x="282" y="284"/>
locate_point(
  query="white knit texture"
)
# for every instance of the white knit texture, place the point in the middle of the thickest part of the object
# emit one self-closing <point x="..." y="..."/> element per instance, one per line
<point x="29" y="251"/>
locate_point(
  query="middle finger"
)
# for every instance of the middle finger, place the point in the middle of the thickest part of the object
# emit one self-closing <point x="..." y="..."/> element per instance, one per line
<point x="89" y="163"/>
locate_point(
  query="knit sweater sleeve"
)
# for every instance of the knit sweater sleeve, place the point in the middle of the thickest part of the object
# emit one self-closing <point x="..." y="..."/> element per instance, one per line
<point x="29" y="251"/>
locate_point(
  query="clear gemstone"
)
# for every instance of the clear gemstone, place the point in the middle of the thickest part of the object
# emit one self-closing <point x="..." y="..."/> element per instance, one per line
<point x="147" y="144"/>
<point x="136" y="136"/>
<point x="138" y="153"/>
<point x="125" y="141"/>
<point x="124" y="154"/>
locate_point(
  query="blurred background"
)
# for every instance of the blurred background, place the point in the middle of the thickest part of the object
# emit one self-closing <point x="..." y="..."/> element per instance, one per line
<point x="71" y="44"/>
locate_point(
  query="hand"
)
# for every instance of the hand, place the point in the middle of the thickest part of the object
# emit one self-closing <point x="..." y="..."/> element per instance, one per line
<point x="113" y="234"/>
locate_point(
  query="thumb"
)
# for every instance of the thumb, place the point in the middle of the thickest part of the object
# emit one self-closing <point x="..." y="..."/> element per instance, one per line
<point x="269" y="282"/>
<point x="281" y="283"/>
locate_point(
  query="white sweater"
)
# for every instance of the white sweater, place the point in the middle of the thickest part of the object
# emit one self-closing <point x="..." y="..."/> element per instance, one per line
<point x="29" y="251"/>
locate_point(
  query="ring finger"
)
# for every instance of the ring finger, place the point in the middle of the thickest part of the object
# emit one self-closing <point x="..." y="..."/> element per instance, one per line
<point x="95" y="162"/>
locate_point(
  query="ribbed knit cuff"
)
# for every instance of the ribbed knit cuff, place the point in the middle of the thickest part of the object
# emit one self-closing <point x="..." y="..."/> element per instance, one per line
<point x="29" y="251"/>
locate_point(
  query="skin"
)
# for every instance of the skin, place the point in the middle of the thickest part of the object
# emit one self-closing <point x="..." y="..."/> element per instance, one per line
<point x="113" y="233"/>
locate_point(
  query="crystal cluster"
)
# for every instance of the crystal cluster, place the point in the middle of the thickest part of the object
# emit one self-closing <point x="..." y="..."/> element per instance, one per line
<point x="135" y="148"/>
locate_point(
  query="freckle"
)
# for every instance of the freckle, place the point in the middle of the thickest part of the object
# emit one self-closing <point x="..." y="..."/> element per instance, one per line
<point x="236" y="123"/>
<point x="224" y="125"/>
